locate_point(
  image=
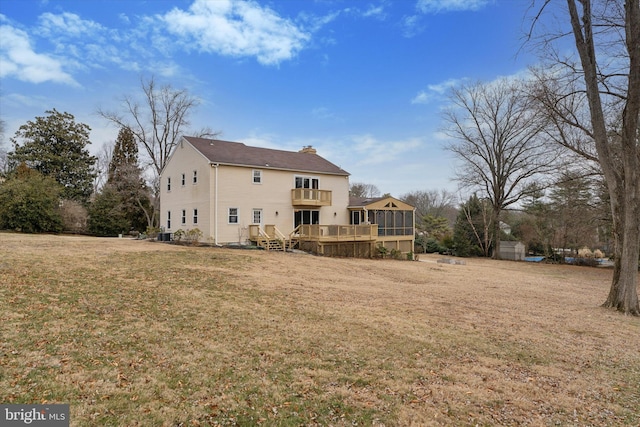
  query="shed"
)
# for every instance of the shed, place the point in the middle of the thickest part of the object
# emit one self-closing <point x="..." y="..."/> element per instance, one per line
<point x="514" y="251"/>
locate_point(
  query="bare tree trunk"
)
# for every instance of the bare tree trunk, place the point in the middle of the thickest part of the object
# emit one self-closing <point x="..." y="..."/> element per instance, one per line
<point x="496" y="233"/>
<point x="624" y="185"/>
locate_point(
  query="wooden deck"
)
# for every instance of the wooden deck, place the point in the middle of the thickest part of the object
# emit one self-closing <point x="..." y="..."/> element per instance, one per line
<point x="343" y="240"/>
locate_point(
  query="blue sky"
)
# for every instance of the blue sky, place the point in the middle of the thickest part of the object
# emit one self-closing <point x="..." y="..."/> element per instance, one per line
<point x="362" y="81"/>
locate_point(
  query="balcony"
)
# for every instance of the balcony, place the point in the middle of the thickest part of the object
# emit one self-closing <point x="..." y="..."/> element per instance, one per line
<point x="310" y="197"/>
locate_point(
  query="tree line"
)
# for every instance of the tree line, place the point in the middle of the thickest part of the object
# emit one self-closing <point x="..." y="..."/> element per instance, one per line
<point x="51" y="183"/>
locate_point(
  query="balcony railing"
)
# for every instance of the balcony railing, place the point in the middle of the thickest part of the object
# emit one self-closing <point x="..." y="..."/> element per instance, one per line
<point x="310" y="197"/>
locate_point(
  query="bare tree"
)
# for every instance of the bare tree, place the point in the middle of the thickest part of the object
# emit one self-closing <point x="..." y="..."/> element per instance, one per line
<point x="434" y="203"/>
<point x="3" y="150"/>
<point x="496" y="134"/>
<point x="360" y="189"/>
<point x="595" y="104"/>
<point x="103" y="159"/>
<point x="157" y="123"/>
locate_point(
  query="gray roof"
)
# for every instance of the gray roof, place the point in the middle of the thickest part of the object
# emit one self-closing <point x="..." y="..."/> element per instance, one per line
<point x="237" y="153"/>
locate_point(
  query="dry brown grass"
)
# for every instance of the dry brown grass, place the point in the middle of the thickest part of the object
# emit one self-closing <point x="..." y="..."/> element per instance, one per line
<point x="142" y="333"/>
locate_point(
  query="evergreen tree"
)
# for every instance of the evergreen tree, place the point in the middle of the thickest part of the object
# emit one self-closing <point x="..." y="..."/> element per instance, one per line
<point x="55" y="146"/>
<point x="125" y="177"/>
<point x="123" y="204"/>
<point x="29" y="202"/>
<point x="106" y="218"/>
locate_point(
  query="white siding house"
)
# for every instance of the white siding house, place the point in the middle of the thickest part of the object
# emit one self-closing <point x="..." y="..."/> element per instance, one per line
<point x="223" y="187"/>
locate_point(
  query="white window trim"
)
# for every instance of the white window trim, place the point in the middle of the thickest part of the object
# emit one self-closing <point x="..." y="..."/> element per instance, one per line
<point x="259" y="176"/>
<point x="237" y="215"/>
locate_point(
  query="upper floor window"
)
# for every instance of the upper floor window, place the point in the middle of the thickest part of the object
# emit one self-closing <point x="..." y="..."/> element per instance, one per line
<point x="168" y="183"/>
<point x="184" y="178"/>
<point x="257" y="177"/>
<point x="307" y="182"/>
<point x="195" y="177"/>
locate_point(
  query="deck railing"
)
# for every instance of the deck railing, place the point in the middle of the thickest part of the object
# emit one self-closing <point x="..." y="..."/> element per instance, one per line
<point x="310" y="197"/>
<point x="338" y="233"/>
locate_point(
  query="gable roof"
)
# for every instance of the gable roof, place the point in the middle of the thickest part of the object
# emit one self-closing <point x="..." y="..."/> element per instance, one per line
<point x="390" y="203"/>
<point x="239" y="154"/>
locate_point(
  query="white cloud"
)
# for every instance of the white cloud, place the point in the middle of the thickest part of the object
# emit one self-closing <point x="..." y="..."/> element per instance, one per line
<point x="372" y="151"/>
<point x="412" y="26"/>
<point x="435" y="6"/>
<point x="435" y="91"/>
<point x="68" y="25"/>
<point x="237" y="28"/>
<point x="19" y="60"/>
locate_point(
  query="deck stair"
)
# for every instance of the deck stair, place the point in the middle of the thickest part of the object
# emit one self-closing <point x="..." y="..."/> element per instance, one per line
<point x="270" y="238"/>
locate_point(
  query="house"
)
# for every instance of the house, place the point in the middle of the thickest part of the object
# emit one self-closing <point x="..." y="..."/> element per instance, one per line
<point x="514" y="251"/>
<point x="236" y="194"/>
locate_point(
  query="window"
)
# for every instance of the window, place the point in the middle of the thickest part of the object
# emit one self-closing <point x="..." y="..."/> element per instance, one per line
<point x="233" y="215"/>
<point x="257" y="177"/>
<point x="195" y="216"/>
<point x="257" y="216"/>
<point x="184" y="216"/>
<point x="168" y="220"/>
<point x="169" y="183"/>
<point x="195" y="177"/>
<point x="306" y="217"/>
<point x="183" y="179"/>
<point x="307" y="182"/>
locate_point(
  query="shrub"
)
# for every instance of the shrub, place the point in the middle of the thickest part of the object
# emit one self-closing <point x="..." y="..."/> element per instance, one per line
<point x="74" y="216"/>
<point x="192" y="236"/>
<point x="29" y="203"/>
<point x="381" y="251"/>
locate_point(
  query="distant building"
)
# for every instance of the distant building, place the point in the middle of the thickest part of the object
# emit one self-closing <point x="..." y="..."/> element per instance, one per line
<point x="514" y="251"/>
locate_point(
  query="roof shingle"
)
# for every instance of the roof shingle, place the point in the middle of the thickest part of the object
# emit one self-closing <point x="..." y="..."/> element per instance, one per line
<point x="237" y="153"/>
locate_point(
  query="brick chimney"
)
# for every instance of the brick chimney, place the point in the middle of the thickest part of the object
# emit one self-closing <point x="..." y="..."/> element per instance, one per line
<point x="308" y="149"/>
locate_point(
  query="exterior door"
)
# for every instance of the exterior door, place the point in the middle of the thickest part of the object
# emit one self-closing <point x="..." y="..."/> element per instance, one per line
<point x="256" y="217"/>
<point x="306" y="217"/>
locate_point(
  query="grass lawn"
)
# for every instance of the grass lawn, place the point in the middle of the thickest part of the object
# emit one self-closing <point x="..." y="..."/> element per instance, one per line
<point x="137" y="333"/>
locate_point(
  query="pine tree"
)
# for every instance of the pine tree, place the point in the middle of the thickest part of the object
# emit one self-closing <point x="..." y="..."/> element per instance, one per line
<point x="124" y="202"/>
